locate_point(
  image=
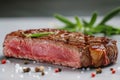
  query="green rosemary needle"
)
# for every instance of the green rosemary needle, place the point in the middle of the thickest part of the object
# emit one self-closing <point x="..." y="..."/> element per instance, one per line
<point x="36" y="35"/>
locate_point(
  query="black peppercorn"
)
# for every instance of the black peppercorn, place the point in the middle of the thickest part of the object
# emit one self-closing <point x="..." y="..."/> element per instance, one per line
<point x="98" y="70"/>
<point x="42" y="73"/>
<point x="26" y="69"/>
<point x="26" y="62"/>
<point x="37" y="69"/>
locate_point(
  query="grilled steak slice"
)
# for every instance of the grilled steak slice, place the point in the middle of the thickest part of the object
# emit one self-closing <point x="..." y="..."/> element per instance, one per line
<point x="71" y="49"/>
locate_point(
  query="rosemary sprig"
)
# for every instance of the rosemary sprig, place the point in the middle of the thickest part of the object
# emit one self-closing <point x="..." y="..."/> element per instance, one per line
<point x="93" y="19"/>
<point x="36" y="35"/>
<point x="90" y="27"/>
<point x="64" y="20"/>
<point x="110" y="15"/>
<point x="78" y="24"/>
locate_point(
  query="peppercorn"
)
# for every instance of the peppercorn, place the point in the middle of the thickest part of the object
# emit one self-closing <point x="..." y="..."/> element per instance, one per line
<point x="58" y="70"/>
<point x="26" y="69"/>
<point x="39" y="69"/>
<point x="42" y="73"/>
<point x="93" y="75"/>
<point x="3" y="61"/>
<point x="113" y="71"/>
<point x="98" y="70"/>
<point x="26" y="62"/>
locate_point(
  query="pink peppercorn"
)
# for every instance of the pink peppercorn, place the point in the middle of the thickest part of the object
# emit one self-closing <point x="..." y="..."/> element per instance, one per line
<point x="113" y="71"/>
<point x="3" y="61"/>
<point x="58" y="70"/>
<point x="93" y="75"/>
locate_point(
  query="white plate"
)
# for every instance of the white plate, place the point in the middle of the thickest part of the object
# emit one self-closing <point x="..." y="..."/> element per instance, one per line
<point x="10" y="71"/>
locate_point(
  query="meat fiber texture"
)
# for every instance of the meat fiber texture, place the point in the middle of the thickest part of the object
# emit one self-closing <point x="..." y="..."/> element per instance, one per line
<point x="72" y="49"/>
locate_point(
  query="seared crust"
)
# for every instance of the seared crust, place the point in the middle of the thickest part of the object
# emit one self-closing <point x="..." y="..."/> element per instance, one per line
<point x="73" y="38"/>
<point x="89" y="46"/>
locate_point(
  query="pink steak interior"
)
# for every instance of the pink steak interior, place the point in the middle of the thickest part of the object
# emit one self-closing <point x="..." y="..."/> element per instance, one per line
<point x="43" y="50"/>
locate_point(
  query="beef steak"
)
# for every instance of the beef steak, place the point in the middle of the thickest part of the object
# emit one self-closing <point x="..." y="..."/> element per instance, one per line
<point x="65" y="48"/>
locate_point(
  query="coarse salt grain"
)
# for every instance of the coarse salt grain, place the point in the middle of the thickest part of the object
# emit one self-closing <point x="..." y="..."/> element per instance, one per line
<point x="34" y="62"/>
<point x="8" y="61"/>
<point x="118" y="68"/>
<point x="20" y="69"/>
<point x="17" y="65"/>
<point x="34" y="76"/>
<point x="73" y="68"/>
<point x="37" y="76"/>
<point x="46" y="72"/>
<point x="21" y="76"/>
<point x="32" y="69"/>
<point x="16" y="70"/>
<point x="49" y="68"/>
<point x="78" y="77"/>
<point x="3" y="70"/>
<point x="82" y="72"/>
<point x="88" y="69"/>
<point x="83" y="69"/>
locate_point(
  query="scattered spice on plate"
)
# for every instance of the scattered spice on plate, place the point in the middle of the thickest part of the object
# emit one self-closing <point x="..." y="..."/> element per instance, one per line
<point x="113" y="71"/>
<point x="88" y="69"/>
<point x="49" y="68"/>
<point x="34" y="61"/>
<point x="118" y="68"/>
<point x="26" y="69"/>
<point x="93" y="74"/>
<point x="39" y="69"/>
<point x="7" y="61"/>
<point x="3" y="61"/>
<point x="82" y="72"/>
<point x="42" y="73"/>
<point x="98" y="70"/>
<point x="83" y="69"/>
<point x="58" y="70"/>
<point x="26" y="62"/>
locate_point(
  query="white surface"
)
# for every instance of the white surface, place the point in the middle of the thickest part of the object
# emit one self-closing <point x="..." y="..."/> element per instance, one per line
<point x="9" y="72"/>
